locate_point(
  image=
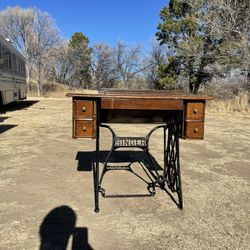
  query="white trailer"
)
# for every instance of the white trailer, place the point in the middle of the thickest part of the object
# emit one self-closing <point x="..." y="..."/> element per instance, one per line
<point x="13" y="85"/>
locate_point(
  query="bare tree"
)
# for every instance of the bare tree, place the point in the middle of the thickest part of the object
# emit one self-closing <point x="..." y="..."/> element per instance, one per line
<point x="33" y="32"/>
<point x="62" y="66"/>
<point x="156" y="57"/>
<point x="102" y="67"/>
<point x="229" y="21"/>
<point x="45" y="37"/>
<point x="127" y="61"/>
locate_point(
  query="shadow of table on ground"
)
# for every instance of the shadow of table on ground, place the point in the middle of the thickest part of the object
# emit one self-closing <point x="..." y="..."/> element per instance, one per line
<point x="87" y="158"/>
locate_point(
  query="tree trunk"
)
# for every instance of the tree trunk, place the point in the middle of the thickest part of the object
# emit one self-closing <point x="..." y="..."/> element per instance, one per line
<point x="190" y="76"/>
<point x="39" y="81"/>
<point x="197" y="85"/>
<point x="27" y="68"/>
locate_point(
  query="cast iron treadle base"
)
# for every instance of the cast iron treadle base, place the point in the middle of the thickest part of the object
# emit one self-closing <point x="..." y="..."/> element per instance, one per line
<point x="150" y="188"/>
<point x="171" y="171"/>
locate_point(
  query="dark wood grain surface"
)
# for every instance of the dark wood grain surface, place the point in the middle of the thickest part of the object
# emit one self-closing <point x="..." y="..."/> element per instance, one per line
<point x="139" y="106"/>
<point x="140" y="94"/>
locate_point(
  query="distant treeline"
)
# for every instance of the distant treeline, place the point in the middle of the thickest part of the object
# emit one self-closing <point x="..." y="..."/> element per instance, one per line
<point x="199" y="45"/>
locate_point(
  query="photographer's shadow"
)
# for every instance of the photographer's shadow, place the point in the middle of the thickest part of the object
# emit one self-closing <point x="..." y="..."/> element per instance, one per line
<point x="57" y="228"/>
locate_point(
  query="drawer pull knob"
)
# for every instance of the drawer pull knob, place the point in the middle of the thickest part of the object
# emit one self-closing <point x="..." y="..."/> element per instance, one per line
<point x="196" y="130"/>
<point x="195" y="111"/>
<point x="84" y="128"/>
<point x="84" y="109"/>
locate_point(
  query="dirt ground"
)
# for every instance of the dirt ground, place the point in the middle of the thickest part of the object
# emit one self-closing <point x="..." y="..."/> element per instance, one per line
<point x="46" y="187"/>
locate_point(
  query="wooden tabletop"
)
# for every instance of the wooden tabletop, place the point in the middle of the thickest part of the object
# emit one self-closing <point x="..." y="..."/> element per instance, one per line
<point x="139" y="94"/>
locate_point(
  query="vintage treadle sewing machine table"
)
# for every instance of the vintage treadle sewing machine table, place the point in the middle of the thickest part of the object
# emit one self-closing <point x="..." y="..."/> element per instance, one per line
<point x="179" y="115"/>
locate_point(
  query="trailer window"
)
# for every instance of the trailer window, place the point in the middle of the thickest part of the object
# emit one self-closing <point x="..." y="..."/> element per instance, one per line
<point x="6" y="61"/>
<point x="14" y="64"/>
<point x="1" y="57"/>
<point x="22" y="69"/>
<point x="19" y="67"/>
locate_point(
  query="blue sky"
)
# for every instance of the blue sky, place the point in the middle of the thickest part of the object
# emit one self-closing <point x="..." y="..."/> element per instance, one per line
<point x="106" y="21"/>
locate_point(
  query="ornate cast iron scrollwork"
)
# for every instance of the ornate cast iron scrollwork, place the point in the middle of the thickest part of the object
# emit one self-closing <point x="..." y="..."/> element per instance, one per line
<point x="171" y="172"/>
<point x="172" y="158"/>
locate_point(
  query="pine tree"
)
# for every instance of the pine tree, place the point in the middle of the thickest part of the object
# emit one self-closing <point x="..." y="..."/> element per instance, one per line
<point x="82" y="59"/>
<point x="202" y="35"/>
<point x="182" y="31"/>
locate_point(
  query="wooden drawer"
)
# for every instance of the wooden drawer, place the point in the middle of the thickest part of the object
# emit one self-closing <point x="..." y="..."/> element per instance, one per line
<point x="194" y="130"/>
<point x="84" y="128"/>
<point x="82" y="108"/>
<point x="195" y="111"/>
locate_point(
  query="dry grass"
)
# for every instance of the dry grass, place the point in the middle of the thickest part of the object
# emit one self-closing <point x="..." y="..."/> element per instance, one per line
<point x="54" y="90"/>
<point x="49" y="90"/>
<point x="238" y="104"/>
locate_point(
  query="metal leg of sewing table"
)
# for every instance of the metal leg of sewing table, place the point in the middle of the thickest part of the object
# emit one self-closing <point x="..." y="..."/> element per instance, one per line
<point x="169" y="178"/>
